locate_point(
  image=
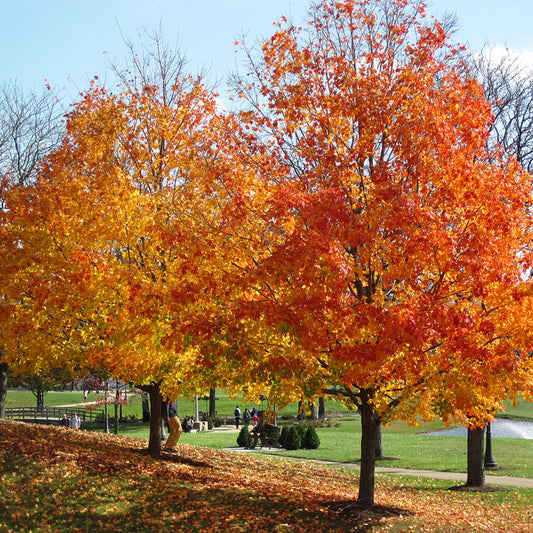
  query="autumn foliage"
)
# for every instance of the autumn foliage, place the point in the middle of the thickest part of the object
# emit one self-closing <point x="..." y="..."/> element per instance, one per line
<point x="347" y="233"/>
<point x="400" y="269"/>
<point x="114" y="253"/>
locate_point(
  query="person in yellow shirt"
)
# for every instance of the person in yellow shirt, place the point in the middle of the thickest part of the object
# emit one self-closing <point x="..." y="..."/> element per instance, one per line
<point x="170" y="415"/>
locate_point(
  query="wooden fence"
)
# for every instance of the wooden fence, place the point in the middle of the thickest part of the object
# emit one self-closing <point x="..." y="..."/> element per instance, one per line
<point x="50" y="415"/>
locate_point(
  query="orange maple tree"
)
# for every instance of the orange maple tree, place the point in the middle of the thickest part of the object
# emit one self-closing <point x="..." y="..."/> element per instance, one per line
<point x="396" y="273"/>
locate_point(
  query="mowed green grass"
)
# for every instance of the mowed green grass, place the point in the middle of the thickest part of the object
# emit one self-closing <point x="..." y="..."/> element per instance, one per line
<point x="403" y="445"/>
<point x="225" y="405"/>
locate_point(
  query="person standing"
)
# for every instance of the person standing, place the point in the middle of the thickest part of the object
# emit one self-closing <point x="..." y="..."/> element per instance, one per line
<point x="237" y="414"/>
<point x="170" y="415"/>
<point x="64" y="422"/>
<point x="75" y="421"/>
<point x="246" y="417"/>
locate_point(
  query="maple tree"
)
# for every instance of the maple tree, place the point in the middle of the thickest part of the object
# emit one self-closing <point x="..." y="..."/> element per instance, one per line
<point x="397" y="256"/>
<point x="106" y="255"/>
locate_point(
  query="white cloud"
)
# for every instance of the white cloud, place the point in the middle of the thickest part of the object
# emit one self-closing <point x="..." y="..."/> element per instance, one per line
<point x="524" y="58"/>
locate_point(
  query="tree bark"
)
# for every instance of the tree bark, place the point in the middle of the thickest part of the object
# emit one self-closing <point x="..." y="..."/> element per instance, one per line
<point x="154" y="442"/>
<point x="116" y="421"/>
<point x="212" y="405"/>
<point x="378" y="445"/>
<point x="3" y="388"/>
<point x="321" y="407"/>
<point x="146" y="407"/>
<point x="39" y="394"/>
<point x="106" y="413"/>
<point x="475" y="472"/>
<point x="369" y="426"/>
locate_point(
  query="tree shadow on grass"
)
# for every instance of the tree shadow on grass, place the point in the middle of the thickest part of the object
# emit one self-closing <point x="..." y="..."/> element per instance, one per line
<point x="174" y="457"/>
<point x="457" y="488"/>
<point x="352" y="509"/>
<point x="482" y="488"/>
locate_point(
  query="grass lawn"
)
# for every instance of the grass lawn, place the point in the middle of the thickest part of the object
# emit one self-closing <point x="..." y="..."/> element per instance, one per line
<point x="407" y="447"/>
<point x="225" y="405"/>
<point x="85" y="481"/>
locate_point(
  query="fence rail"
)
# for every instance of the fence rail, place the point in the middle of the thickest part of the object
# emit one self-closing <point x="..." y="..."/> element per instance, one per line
<point x="49" y="415"/>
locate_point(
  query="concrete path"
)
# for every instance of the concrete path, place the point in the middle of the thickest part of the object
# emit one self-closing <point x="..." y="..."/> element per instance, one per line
<point x="80" y="404"/>
<point x="458" y="477"/>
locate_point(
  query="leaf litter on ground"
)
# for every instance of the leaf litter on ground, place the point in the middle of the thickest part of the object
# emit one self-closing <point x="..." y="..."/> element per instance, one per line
<point x="56" y="479"/>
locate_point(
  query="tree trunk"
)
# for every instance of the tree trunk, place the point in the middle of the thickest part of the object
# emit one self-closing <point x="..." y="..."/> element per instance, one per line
<point x="212" y="405"/>
<point x="378" y="445"/>
<point x="39" y="394"/>
<point x="154" y="442"/>
<point x="146" y="407"/>
<point x="3" y="388"/>
<point x="106" y="414"/>
<point x="321" y="407"/>
<point x="369" y="427"/>
<point x="475" y="473"/>
<point x="115" y="429"/>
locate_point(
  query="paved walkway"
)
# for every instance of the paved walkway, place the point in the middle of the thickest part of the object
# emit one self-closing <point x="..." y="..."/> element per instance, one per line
<point x="80" y="404"/>
<point x="458" y="477"/>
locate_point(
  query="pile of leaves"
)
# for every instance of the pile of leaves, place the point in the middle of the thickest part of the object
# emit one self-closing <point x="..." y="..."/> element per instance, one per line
<point x="55" y="479"/>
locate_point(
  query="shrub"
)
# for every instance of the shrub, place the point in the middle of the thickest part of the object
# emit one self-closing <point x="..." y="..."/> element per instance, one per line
<point x="244" y="439"/>
<point x="283" y="436"/>
<point x="301" y="429"/>
<point x="311" y="440"/>
<point x="293" y="441"/>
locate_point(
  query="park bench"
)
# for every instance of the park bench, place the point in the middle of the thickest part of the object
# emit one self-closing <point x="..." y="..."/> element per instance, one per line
<point x="267" y="434"/>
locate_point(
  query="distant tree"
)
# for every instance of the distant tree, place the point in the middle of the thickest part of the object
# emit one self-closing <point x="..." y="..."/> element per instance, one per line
<point x="30" y="127"/>
<point x="40" y="384"/>
<point x="508" y="86"/>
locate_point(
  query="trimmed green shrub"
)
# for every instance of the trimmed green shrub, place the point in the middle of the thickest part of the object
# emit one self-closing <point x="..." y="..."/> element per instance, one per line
<point x="311" y="440"/>
<point x="301" y="429"/>
<point x="283" y="436"/>
<point x="244" y="439"/>
<point x="293" y="440"/>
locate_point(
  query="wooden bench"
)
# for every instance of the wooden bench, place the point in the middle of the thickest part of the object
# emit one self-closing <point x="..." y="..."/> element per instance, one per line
<point x="268" y="434"/>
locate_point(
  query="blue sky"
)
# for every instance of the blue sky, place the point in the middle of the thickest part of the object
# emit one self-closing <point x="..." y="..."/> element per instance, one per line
<point x="67" y="42"/>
